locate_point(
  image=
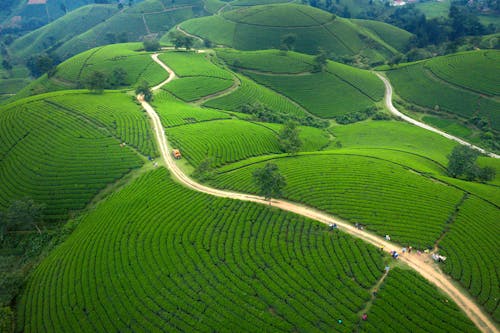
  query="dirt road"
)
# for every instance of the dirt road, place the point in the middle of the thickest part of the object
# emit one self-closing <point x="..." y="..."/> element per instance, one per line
<point x="421" y="263"/>
<point x="390" y="106"/>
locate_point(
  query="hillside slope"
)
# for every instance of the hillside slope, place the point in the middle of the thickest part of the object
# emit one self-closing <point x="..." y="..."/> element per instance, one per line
<point x="264" y="27"/>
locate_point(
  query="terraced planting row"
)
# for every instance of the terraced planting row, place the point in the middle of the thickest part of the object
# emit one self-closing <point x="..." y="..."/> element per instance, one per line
<point x="138" y="65"/>
<point x="251" y="93"/>
<point x="385" y="197"/>
<point x="199" y="77"/>
<point x="56" y="158"/>
<point x="193" y="64"/>
<point x="143" y="262"/>
<point x="174" y="113"/>
<point x="193" y="88"/>
<point x="274" y="61"/>
<point x="475" y="70"/>
<point x="323" y="94"/>
<point x="224" y="140"/>
<point x="471" y="245"/>
<point x="116" y="112"/>
<point x="400" y="307"/>
<point x="415" y="84"/>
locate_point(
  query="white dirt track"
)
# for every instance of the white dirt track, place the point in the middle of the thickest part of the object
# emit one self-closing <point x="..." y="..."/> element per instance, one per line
<point x="420" y="263"/>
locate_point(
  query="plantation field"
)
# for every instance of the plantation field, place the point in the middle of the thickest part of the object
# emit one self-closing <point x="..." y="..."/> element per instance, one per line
<point x="144" y="18"/>
<point x="387" y="198"/>
<point x="115" y="112"/>
<point x="476" y="70"/>
<point x="322" y="94"/>
<point x="251" y="93"/>
<point x="417" y="84"/>
<point x="263" y="27"/>
<point x="145" y="262"/>
<point x="191" y="89"/>
<point x="476" y="267"/>
<point x="395" y="135"/>
<point x="193" y="64"/>
<point x="56" y="157"/>
<point x="138" y="65"/>
<point x="61" y="30"/>
<point x="312" y="138"/>
<point x="273" y="61"/>
<point x="390" y="308"/>
<point x="174" y="113"/>
<point x="225" y="141"/>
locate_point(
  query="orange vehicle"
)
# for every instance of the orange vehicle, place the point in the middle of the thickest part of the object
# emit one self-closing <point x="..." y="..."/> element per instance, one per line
<point x="176" y="153"/>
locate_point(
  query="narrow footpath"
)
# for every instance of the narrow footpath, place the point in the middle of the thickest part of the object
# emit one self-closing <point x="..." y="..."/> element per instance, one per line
<point x="420" y="263"/>
<point x="396" y="112"/>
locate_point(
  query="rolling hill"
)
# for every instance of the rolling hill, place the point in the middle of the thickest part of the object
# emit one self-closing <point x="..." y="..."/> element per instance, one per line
<point x="462" y="88"/>
<point x="263" y="27"/>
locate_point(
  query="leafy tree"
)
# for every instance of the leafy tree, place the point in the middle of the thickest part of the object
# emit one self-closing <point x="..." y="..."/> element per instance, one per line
<point x="119" y="76"/>
<point x="96" y="82"/>
<point x="41" y="64"/>
<point x="23" y="214"/>
<point x="289" y="139"/>
<point x="288" y="41"/>
<point x="143" y="89"/>
<point x="205" y="170"/>
<point x="270" y="181"/>
<point x="151" y="45"/>
<point x="320" y="61"/>
<point x="461" y="160"/>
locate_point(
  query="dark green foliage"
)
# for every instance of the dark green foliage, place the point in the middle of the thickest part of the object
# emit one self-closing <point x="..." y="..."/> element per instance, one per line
<point x="151" y="45"/>
<point x="24" y="214"/>
<point x="6" y="319"/>
<point x="204" y="171"/>
<point x="265" y="114"/>
<point x="143" y="89"/>
<point x="41" y="64"/>
<point x="357" y="116"/>
<point x="288" y="41"/>
<point x="320" y="61"/>
<point x="269" y="181"/>
<point x="289" y="139"/>
<point x="97" y="81"/>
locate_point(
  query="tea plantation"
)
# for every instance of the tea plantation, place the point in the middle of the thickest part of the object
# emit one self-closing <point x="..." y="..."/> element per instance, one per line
<point x="262" y="27"/>
<point x="463" y="84"/>
<point x="59" y="157"/>
<point x="387" y="198"/>
<point x="145" y="262"/>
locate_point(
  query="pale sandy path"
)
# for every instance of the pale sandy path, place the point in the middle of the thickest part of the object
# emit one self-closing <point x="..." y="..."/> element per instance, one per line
<point x="421" y="263"/>
<point x="390" y="106"/>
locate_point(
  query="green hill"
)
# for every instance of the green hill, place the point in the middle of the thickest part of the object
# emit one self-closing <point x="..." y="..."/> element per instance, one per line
<point x="263" y="27"/>
<point x="53" y="35"/>
<point x="137" y="66"/>
<point x="145" y="262"/>
<point x="462" y="88"/>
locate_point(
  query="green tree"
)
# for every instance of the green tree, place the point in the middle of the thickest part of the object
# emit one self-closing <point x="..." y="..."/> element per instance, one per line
<point x="270" y="181"/>
<point x="461" y="161"/>
<point x="96" y="82"/>
<point x="288" y="41"/>
<point x="151" y="45"/>
<point x="205" y="170"/>
<point x="143" y="89"/>
<point x="24" y="214"/>
<point x="320" y="61"/>
<point x="119" y="77"/>
<point x="289" y="139"/>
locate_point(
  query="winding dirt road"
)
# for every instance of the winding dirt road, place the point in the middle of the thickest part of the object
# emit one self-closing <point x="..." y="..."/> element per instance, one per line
<point x="396" y="112"/>
<point x="421" y="263"/>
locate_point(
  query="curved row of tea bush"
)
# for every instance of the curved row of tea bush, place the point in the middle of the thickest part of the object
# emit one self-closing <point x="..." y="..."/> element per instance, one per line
<point x="57" y="158"/>
<point x="387" y="198"/>
<point x="142" y="262"/>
